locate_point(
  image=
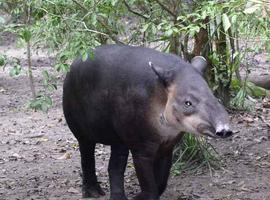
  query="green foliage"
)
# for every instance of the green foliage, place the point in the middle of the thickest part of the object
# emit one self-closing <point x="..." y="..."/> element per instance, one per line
<point x="244" y="93"/>
<point x="16" y="70"/>
<point x="14" y="63"/>
<point x="3" y="60"/>
<point x="193" y="153"/>
<point x="41" y="102"/>
<point x="49" y="81"/>
<point x="25" y="34"/>
<point x="255" y="91"/>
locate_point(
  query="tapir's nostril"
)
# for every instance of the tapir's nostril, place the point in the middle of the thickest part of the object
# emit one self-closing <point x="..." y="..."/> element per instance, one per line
<point x="224" y="133"/>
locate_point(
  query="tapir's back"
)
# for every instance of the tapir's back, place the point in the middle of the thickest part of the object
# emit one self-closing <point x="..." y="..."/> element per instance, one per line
<point x="122" y="66"/>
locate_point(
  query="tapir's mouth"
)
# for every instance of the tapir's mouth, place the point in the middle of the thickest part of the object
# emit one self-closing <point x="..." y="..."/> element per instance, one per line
<point x="207" y="130"/>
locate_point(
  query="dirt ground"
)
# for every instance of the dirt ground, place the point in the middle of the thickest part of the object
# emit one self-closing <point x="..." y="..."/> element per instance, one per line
<point x="39" y="157"/>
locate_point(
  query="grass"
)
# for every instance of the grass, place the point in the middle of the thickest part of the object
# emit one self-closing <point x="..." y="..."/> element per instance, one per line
<point x="194" y="153"/>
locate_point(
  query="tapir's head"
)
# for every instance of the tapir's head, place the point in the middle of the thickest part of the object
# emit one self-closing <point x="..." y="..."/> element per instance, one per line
<point x="191" y="106"/>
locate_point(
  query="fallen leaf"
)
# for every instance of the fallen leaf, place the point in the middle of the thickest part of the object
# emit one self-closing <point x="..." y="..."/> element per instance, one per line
<point x="229" y="182"/>
<point x="248" y="119"/>
<point x="43" y="139"/>
<point x="73" y="190"/>
<point x="245" y="189"/>
<point x="260" y="139"/>
<point x="65" y="156"/>
<point x="241" y="183"/>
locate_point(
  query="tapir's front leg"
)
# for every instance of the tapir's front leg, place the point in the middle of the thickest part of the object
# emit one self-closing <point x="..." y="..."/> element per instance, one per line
<point x="162" y="166"/>
<point x="143" y="159"/>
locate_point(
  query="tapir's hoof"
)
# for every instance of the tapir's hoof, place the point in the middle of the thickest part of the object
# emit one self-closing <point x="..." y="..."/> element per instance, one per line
<point x="93" y="191"/>
<point x="143" y="196"/>
<point x="118" y="197"/>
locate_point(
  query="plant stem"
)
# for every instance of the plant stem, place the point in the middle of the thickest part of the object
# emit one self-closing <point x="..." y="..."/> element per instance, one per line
<point x="30" y="74"/>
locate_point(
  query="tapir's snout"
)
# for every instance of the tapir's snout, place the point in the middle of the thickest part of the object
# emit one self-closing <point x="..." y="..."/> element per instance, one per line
<point x="224" y="133"/>
<point x="219" y="132"/>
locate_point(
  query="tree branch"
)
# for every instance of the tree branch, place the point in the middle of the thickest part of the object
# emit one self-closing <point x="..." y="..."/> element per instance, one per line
<point x="108" y="29"/>
<point x="134" y="12"/>
<point x="166" y="8"/>
<point x="80" y="5"/>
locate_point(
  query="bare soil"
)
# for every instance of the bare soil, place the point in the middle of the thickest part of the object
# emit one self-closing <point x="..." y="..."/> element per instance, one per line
<point x="39" y="157"/>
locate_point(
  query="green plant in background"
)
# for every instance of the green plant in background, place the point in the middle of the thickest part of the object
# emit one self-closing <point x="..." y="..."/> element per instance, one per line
<point x="246" y="93"/>
<point x="194" y="153"/>
<point x="2" y="60"/>
<point x="15" y="69"/>
<point x="43" y="100"/>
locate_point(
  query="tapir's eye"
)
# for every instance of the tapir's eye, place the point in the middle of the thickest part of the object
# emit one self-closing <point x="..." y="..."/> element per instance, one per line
<point x="188" y="103"/>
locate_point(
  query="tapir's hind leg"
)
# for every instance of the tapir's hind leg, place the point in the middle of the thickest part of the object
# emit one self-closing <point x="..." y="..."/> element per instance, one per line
<point x="90" y="187"/>
<point x="162" y="168"/>
<point x="117" y="166"/>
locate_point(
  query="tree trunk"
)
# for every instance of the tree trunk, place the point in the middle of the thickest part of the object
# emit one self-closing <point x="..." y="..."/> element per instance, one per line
<point x="200" y="43"/>
<point x="175" y="45"/>
<point x="224" y="84"/>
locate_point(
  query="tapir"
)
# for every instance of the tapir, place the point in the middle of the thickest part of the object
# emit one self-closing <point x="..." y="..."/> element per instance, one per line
<point x="142" y="101"/>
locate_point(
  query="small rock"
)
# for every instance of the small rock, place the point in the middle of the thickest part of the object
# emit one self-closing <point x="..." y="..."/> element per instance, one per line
<point x="260" y="139"/>
<point x="73" y="190"/>
<point x="12" y="142"/>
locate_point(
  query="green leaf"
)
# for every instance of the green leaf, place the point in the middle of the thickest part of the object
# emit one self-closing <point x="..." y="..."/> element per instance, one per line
<point x="15" y="71"/>
<point x="251" y="9"/>
<point x="114" y="2"/>
<point x="233" y="19"/>
<point x="2" y="60"/>
<point x="48" y="100"/>
<point x="2" y="20"/>
<point x="41" y="102"/>
<point x="169" y="32"/>
<point x="145" y="27"/>
<point x="84" y="56"/>
<point x="91" y="55"/>
<point x="45" y="74"/>
<point x="226" y="22"/>
<point x="62" y="67"/>
<point x="26" y="35"/>
<point x="94" y="19"/>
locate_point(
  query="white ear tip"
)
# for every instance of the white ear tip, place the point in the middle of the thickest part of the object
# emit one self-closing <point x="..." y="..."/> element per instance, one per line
<point x="150" y="63"/>
<point x="200" y="57"/>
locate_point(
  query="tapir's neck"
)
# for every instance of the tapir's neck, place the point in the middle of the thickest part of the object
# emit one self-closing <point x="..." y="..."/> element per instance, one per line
<point x="165" y="131"/>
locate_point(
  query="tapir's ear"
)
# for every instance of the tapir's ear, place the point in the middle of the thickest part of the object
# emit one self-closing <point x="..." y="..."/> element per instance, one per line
<point x="165" y="76"/>
<point x="199" y="63"/>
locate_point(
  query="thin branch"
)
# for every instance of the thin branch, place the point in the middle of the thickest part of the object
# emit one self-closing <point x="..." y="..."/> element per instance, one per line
<point x="110" y="32"/>
<point x="80" y="5"/>
<point x="87" y="29"/>
<point x="134" y="12"/>
<point x="30" y="73"/>
<point x="166" y="8"/>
